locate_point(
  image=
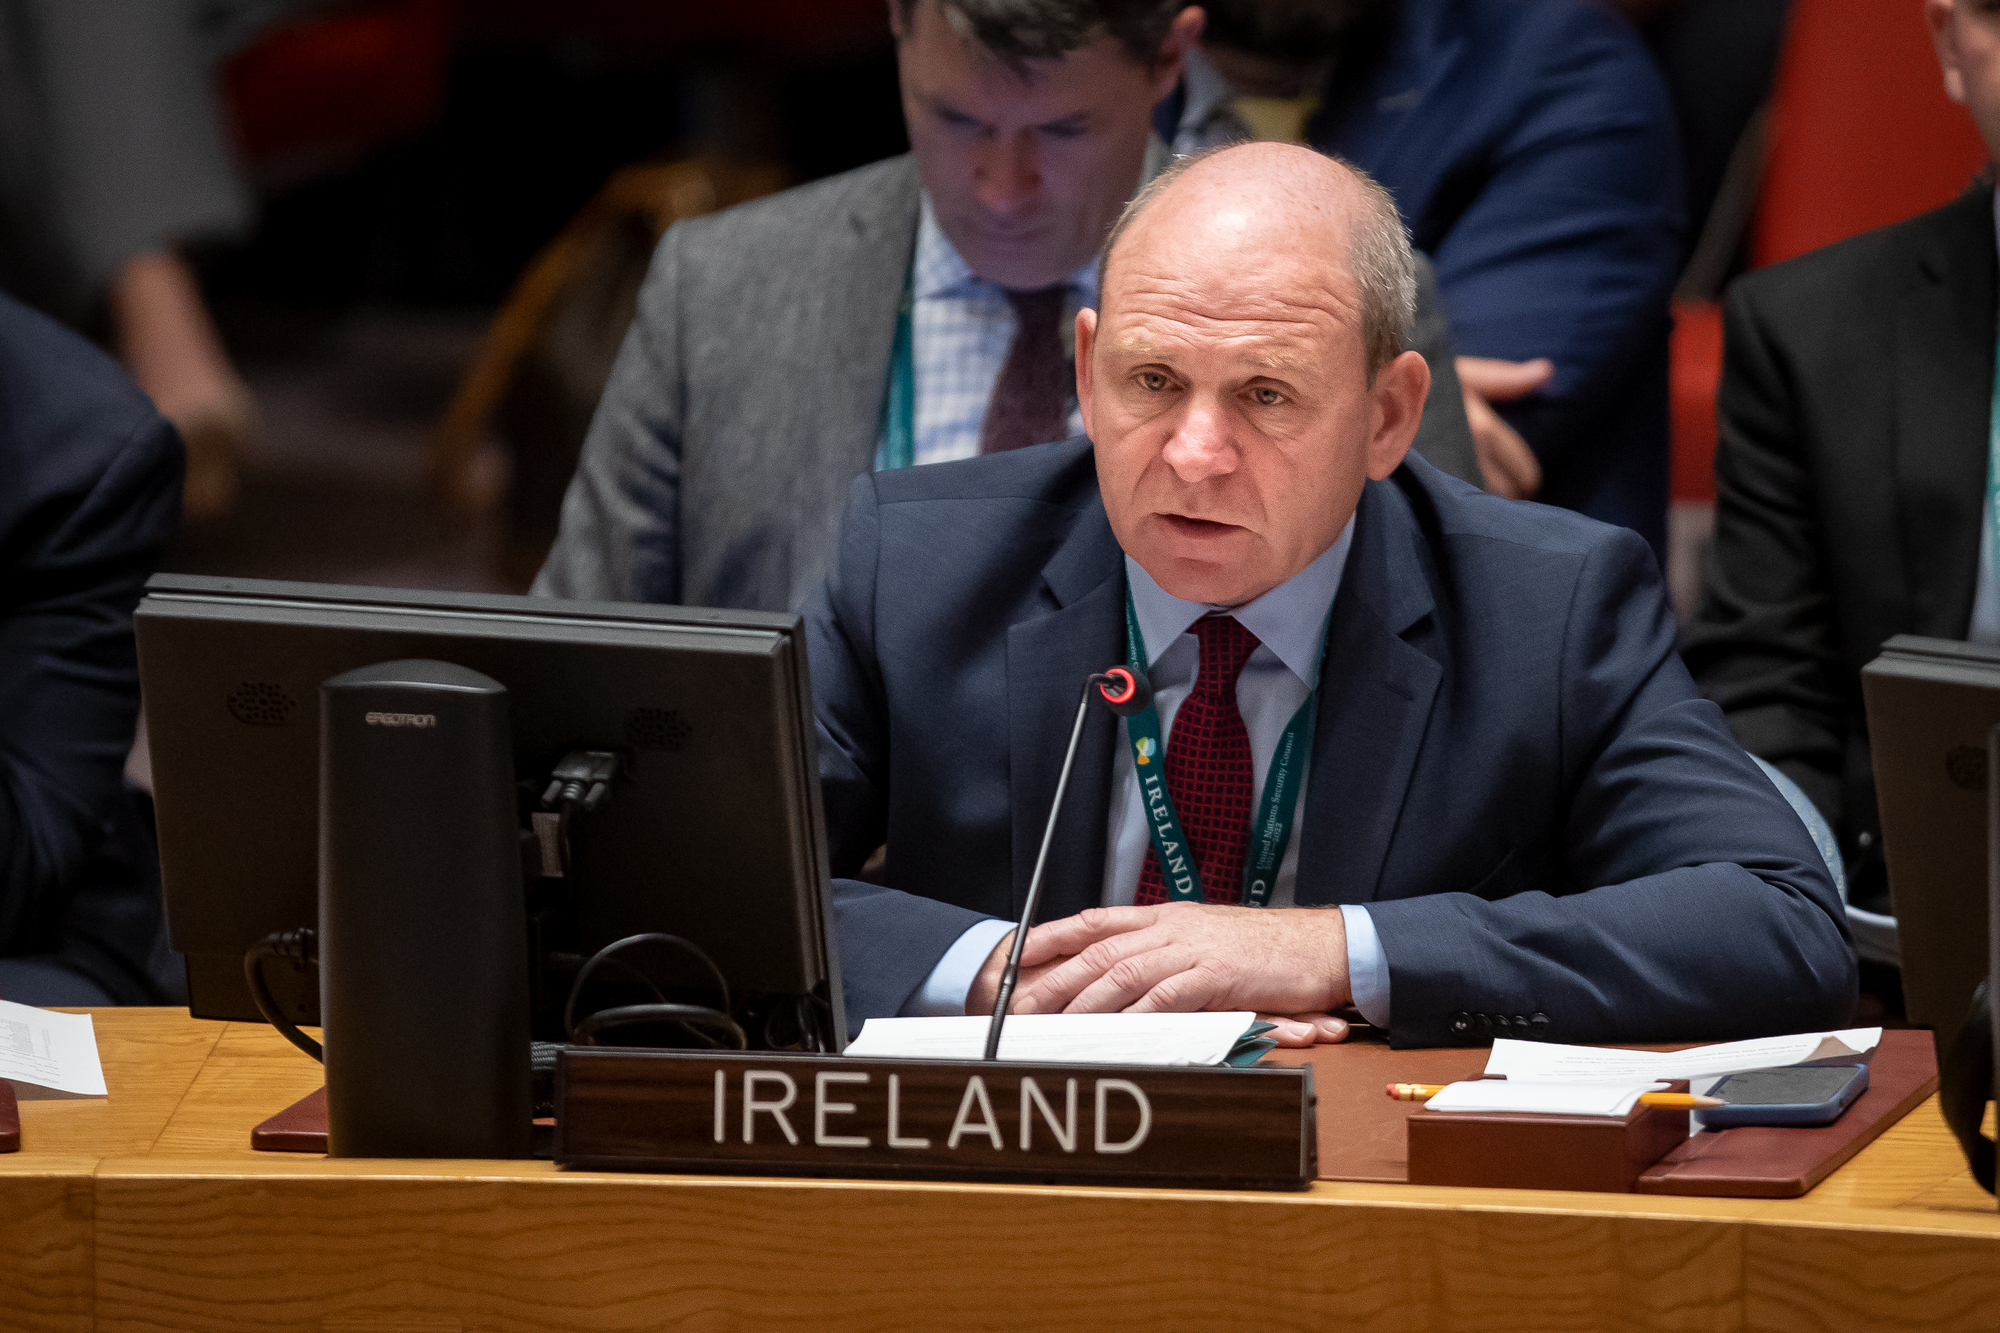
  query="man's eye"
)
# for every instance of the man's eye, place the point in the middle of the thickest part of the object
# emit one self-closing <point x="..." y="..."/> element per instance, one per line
<point x="1064" y="133"/>
<point x="1266" y="397"/>
<point x="1152" y="381"/>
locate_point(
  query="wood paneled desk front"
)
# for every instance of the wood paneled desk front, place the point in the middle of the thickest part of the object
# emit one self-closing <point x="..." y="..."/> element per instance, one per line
<point x="148" y="1211"/>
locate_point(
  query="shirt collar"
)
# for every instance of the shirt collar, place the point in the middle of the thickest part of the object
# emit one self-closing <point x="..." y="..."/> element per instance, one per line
<point x="939" y="270"/>
<point x="1289" y="620"/>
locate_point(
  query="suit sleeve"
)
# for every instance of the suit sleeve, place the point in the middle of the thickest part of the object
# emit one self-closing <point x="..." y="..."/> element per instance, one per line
<point x="1444" y="436"/>
<point x="889" y="941"/>
<point x="1765" y="642"/>
<point x="620" y="536"/>
<point x="1571" y="246"/>
<point x="1696" y="907"/>
<point x="73" y="572"/>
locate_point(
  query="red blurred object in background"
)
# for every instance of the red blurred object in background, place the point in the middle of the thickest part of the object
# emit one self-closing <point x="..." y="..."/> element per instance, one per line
<point x="1861" y="135"/>
<point x="351" y="79"/>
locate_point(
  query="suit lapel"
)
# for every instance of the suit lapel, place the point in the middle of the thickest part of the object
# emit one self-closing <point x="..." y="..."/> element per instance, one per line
<point x="1943" y="368"/>
<point x="1375" y="697"/>
<point x="1047" y="660"/>
<point x="846" y="347"/>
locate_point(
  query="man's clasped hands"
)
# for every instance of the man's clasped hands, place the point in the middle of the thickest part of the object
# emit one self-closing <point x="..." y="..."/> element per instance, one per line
<point x="1287" y="964"/>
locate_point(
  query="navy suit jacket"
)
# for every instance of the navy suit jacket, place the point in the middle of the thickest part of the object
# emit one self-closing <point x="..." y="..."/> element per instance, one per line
<point x="1530" y="145"/>
<point x="90" y="490"/>
<point x="1511" y="767"/>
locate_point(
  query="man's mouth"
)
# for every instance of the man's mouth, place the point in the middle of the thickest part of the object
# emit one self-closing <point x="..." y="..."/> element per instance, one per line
<point x="1186" y="526"/>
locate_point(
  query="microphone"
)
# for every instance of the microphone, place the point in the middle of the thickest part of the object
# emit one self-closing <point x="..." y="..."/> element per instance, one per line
<point x="1124" y="692"/>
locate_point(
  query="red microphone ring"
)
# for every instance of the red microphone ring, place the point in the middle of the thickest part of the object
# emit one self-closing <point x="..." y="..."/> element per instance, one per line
<point x="1124" y="696"/>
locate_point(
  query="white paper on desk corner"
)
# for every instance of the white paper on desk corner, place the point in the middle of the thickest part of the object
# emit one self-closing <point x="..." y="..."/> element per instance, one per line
<point x="46" y="1054"/>
<point x="1060" y="1039"/>
<point x="1511" y="1094"/>
<point x="1534" y="1060"/>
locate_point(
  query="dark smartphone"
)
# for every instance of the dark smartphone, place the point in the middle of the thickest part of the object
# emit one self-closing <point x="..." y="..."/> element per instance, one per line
<point x="1800" y="1095"/>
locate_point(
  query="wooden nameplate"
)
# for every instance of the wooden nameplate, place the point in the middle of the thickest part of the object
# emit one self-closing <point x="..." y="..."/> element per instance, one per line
<point x="10" y="1119"/>
<point x="799" y="1115"/>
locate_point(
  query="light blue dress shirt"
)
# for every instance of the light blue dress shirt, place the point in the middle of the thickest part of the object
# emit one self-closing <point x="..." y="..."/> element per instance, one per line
<point x="961" y="327"/>
<point x="1289" y="622"/>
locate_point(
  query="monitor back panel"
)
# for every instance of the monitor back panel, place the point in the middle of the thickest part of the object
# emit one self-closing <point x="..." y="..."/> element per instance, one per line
<point x="1931" y="705"/>
<point x="713" y="834"/>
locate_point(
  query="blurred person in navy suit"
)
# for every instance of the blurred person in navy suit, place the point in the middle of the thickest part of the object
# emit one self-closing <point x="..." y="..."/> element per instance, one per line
<point x="1530" y="146"/>
<point x="90" y="488"/>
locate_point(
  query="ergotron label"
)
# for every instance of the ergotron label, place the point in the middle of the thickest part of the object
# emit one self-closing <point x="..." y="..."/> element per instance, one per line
<point x="402" y="719"/>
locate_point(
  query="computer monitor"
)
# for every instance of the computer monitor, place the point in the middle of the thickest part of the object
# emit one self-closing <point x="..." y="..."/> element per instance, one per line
<point x="1932" y="704"/>
<point x="713" y="830"/>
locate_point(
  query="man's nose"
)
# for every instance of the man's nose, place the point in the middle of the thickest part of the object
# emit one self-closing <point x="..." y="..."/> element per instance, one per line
<point x="1200" y="447"/>
<point x="1008" y="177"/>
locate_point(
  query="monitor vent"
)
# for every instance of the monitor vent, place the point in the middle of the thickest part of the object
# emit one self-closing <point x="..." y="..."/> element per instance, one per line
<point x="260" y="704"/>
<point x="657" y="729"/>
<point x="1965" y="765"/>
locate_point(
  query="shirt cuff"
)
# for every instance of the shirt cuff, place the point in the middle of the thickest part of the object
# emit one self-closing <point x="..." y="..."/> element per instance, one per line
<point x="1367" y="967"/>
<point x="944" y="990"/>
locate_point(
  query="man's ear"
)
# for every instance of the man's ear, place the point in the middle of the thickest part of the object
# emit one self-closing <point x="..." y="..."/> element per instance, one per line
<point x="1944" y="36"/>
<point x="1399" y="393"/>
<point x="1086" y="337"/>
<point x="896" y="19"/>
<point x="1181" y="36"/>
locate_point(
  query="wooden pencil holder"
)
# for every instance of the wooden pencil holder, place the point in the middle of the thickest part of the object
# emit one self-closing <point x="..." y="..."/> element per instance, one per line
<point x="1515" y="1150"/>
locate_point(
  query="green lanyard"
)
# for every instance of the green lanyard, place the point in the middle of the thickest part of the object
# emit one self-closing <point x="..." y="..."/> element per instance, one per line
<point x="1270" y="834"/>
<point x="899" y="428"/>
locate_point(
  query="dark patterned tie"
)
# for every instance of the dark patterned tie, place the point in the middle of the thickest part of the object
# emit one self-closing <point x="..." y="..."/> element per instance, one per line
<point x="1208" y="768"/>
<point x="1030" y="403"/>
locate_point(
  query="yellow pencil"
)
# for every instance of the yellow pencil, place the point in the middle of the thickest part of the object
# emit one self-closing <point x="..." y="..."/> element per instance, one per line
<point x="1683" y="1101"/>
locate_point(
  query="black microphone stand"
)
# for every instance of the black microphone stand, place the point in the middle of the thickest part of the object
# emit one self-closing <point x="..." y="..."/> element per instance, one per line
<point x="1124" y="692"/>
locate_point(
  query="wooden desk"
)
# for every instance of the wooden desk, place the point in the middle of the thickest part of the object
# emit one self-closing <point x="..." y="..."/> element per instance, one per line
<point x="148" y="1211"/>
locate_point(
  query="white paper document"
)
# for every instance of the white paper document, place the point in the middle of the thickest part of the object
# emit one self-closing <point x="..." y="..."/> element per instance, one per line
<point x="46" y="1054"/>
<point x="1543" y="1062"/>
<point x="1123" y="1039"/>
<point x="1496" y="1094"/>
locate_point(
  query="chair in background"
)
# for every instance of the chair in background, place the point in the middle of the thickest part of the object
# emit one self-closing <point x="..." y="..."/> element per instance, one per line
<point x="534" y="382"/>
<point x="323" y="90"/>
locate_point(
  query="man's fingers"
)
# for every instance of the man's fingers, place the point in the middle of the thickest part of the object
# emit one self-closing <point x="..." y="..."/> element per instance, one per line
<point x="1505" y="460"/>
<point x="1074" y="934"/>
<point x="1055" y="989"/>
<point x="1153" y="981"/>
<point x="1305" y="1029"/>
<point x="1500" y="381"/>
<point x="1291" y="1032"/>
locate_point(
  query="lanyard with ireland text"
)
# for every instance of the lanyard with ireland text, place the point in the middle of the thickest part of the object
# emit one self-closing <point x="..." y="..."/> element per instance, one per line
<point x="1270" y="832"/>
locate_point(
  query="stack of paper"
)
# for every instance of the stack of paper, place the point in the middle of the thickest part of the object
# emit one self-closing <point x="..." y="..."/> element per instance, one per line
<point x="1548" y="1063"/>
<point x="1123" y="1039"/>
<point x="1495" y="1094"/>
<point x="45" y="1054"/>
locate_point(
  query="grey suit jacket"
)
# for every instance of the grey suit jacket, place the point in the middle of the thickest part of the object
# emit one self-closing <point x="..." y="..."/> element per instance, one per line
<point x="749" y="394"/>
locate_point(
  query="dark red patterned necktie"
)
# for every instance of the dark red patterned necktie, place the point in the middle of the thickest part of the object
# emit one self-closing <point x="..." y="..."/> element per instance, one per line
<point x="1030" y="403"/>
<point x="1208" y="768"/>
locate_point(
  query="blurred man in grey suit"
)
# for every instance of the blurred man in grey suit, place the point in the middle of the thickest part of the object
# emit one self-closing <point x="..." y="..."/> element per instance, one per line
<point x="914" y="311"/>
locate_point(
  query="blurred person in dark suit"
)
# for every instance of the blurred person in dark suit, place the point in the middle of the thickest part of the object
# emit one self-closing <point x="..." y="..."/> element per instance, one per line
<point x="92" y="491"/>
<point x="1855" y="472"/>
<point x="114" y="155"/>
<point x="914" y="311"/>
<point x="1531" y="147"/>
